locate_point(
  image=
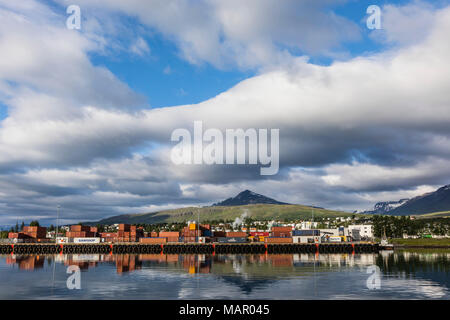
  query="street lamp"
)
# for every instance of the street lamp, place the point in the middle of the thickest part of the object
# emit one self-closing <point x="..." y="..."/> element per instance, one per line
<point x="58" y="207"/>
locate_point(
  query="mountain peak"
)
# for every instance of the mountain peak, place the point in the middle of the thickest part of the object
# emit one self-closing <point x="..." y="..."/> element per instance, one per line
<point x="430" y="202"/>
<point x="247" y="197"/>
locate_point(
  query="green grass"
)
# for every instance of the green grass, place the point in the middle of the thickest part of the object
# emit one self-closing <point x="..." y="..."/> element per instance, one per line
<point x="441" y="214"/>
<point x="421" y="242"/>
<point x="256" y="212"/>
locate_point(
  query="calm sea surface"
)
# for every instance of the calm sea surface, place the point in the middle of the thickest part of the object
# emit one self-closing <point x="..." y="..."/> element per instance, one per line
<point x="387" y="275"/>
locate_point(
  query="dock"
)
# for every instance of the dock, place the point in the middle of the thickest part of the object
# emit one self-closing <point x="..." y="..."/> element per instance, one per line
<point x="188" y="248"/>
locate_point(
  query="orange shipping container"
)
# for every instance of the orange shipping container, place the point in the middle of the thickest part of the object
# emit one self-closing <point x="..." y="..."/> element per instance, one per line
<point x="236" y="234"/>
<point x="278" y="240"/>
<point x="167" y="234"/>
<point x="124" y="227"/>
<point x="80" y="228"/>
<point x="153" y="240"/>
<point x="281" y="229"/>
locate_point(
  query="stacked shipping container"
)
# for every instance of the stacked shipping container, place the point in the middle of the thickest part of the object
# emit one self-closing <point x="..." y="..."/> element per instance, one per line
<point x="29" y="233"/>
<point x="281" y="232"/>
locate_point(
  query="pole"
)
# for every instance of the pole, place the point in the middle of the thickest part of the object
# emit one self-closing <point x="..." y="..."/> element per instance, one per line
<point x="57" y="221"/>
<point x="198" y="226"/>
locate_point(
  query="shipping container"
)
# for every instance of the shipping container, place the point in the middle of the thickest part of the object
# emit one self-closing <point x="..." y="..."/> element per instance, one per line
<point x="278" y="240"/>
<point x="232" y="239"/>
<point x="259" y="234"/>
<point x="80" y="228"/>
<point x="221" y="234"/>
<point x="108" y="235"/>
<point x="153" y="240"/>
<point x="124" y="227"/>
<point x="281" y="229"/>
<point x="169" y="234"/>
<point x="236" y="234"/>
<point x="335" y="239"/>
<point x="34" y="229"/>
<point x="306" y="233"/>
<point x="86" y="240"/>
<point x="63" y="240"/>
<point x="279" y="234"/>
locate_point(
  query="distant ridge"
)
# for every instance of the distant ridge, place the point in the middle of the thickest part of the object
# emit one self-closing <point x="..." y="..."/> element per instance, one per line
<point x="436" y="201"/>
<point x="431" y="202"/>
<point x="247" y="197"/>
<point x="253" y="204"/>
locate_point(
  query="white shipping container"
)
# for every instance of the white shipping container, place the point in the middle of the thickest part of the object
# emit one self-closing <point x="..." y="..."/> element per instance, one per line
<point x="301" y="239"/>
<point x="86" y="240"/>
<point x="335" y="239"/>
<point x="63" y="240"/>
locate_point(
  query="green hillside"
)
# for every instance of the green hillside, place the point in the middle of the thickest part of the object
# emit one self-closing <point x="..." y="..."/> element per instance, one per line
<point x="440" y="214"/>
<point x="254" y="211"/>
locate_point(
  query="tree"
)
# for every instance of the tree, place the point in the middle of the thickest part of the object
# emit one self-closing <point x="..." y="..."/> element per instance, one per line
<point x="34" y="223"/>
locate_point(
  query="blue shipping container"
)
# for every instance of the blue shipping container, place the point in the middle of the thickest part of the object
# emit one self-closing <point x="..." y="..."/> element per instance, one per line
<point x="305" y="233"/>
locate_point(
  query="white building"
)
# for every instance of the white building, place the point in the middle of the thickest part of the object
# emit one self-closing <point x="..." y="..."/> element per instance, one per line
<point x="365" y="230"/>
<point x="329" y="232"/>
<point x="308" y="225"/>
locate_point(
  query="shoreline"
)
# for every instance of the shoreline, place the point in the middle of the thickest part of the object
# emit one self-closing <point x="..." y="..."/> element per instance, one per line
<point x="410" y="246"/>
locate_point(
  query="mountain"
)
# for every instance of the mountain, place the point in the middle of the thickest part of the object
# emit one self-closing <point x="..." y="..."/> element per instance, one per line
<point x="386" y="206"/>
<point x="247" y="197"/>
<point x="432" y="202"/>
<point x="254" y="205"/>
<point x="436" y="201"/>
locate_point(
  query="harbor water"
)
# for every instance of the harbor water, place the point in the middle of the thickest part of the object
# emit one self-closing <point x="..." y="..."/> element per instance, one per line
<point x="407" y="274"/>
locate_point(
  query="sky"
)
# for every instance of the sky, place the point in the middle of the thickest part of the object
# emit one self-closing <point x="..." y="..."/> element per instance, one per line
<point x="86" y="115"/>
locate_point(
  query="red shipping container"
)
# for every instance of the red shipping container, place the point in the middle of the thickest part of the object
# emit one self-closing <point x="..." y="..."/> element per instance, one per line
<point x="152" y="240"/>
<point x="108" y="235"/>
<point x="281" y="229"/>
<point x="190" y="239"/>
<point x="124" y="227"/>
<point x="281" y="234"/>
<point x="35" y="229"/>
<point x="278" y="240"/>
<point x="80" y="228"/>
<point x="219" y="234"/>
<point x="167" y="234"/>
<point x="259" y="234"/>
<point x="236" y="234"/>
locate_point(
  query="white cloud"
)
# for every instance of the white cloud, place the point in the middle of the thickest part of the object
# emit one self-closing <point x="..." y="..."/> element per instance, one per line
<point x="140" y="47"/>
<point x="246" y="34"/>
<point x="406" y="24"/>
<point x="351" y="133"/>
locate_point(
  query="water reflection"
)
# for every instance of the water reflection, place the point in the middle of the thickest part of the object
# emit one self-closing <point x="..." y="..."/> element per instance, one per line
<point x="267" y="276"/>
